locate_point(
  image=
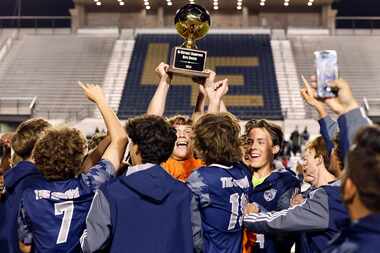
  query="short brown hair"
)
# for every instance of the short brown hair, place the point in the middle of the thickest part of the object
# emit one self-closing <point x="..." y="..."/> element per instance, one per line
<point x="180" y="120"/>
<point x="217" y="140"/>
<point x="27" y="133"/>
<point x="363" y="166"/>
<point x="59" y="153"/>
<point x="319" y="146"/>
<point x="274" y="130"/>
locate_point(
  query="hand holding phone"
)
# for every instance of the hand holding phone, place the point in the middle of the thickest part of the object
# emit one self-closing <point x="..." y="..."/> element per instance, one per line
<point x="327" y="70"/>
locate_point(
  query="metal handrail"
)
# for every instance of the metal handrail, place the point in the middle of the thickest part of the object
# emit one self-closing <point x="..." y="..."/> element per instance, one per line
<point x="374" y="22"/>
<point x="33" y="19"/>
<point x="357" y="18"/>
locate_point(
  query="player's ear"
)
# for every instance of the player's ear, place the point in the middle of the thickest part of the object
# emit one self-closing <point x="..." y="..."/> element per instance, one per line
<point x="275" y="149"/>
<point x="349" y="190"/>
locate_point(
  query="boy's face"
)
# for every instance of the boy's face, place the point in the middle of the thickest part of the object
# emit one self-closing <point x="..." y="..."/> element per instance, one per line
<point x="260" y="151"/>
<point x="311" y="162"/>
<point x="182" y="148"/>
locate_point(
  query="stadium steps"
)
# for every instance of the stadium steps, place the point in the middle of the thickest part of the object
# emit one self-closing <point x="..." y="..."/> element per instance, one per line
<point x="117" y="72"/>
<point x="286" y="73"/>
<point x="358" y="61"/>
<point x="49" y="66"/>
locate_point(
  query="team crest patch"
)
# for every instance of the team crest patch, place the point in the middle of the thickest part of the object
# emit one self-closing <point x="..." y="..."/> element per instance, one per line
<point x="269" y="195"/>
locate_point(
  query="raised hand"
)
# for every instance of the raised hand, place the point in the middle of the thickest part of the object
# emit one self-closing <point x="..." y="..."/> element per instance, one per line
<point x="345" y="101"/>
<point x="215" y="90"/>
<point x="310" y="96"/>
<point x="93" y="92"/>
<point x="162" y="73"/>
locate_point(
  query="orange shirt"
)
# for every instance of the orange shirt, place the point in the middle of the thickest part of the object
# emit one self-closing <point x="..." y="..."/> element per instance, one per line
<point x="249" y="240"/>
<point x="181" y="170"/>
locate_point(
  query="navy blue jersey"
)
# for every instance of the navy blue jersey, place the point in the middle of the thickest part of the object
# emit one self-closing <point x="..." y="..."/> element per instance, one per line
<point x="221" y="194"/>
<point x="274" y="194"/>
<point x="53" y="213"/>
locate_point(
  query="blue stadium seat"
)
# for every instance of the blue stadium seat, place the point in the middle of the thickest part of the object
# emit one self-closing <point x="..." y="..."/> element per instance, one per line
<point x="258" y="80"/>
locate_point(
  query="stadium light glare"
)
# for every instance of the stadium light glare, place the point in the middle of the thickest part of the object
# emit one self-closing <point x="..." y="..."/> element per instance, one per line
<point x="262" y="3"/>
<point x="309" y="3"/>
<point x="146" y="3"/>
<point x="286" y="3"/>
<point x="169" y="3"/>
<point x="147" y="7"/>
<point x="216" y="7"/>
<point x="98" y="3"/>
<point x="238" y="7"/>
<point x="239" y="4"/>
<point x="121" y="3"/>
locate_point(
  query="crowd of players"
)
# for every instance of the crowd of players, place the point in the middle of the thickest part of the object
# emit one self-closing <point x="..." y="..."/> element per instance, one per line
<point x="192" y="184"/>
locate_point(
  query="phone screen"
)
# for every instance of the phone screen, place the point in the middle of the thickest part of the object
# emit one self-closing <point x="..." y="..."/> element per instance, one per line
<point x="327" y="70"/>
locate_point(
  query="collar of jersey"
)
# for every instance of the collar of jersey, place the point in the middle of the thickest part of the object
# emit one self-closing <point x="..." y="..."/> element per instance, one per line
<point x="220" y="166"/>
<point x="139" y="167"/>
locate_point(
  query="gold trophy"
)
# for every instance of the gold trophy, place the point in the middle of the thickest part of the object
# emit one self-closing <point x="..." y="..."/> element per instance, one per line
<point x="192" y="23"/>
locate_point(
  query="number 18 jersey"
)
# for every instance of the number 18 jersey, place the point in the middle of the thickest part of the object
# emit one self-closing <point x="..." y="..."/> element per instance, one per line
<point x="221" y="194"/>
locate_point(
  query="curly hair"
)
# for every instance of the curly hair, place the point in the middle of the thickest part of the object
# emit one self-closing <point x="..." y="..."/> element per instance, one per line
<point x="26" y="136"/>
<point x="180" y="120"/>
<point x="274" y="130"/>
<point x="154" y="136"/>
<point x="363" y="166"/>
<point x="216" y="139"/>
<point x="59" y="153"/>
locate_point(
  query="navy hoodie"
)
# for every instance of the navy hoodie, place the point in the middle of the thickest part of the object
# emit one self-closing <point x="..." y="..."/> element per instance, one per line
<point x="362" y="236"/>
<point x="16" y="180"/>
<point x="147" y="211"/>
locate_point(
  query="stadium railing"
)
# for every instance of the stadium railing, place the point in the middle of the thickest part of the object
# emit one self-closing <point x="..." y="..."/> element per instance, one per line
<point x="35" y="22"/>
<point x="356" y="25"/>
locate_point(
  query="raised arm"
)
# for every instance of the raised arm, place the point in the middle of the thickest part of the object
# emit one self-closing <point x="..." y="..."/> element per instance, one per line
<point x="158" y="102"/>
<point x="223" y="107"/>
<point x="327" y="126"/>
<point x="96" y="154"/>
<point x="215" y="91"/>
<point x="351" y="116"/>
<point x="115" y="151"/>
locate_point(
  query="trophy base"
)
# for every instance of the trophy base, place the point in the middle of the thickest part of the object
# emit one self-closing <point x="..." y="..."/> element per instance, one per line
<point x="188" y="73"/>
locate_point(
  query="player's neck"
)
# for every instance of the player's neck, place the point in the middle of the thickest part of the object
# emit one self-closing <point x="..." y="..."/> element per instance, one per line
<point x="325" y="177"/>
<point x="29" y="159"/>
<point x="357" y="210"/>
<point x="264" y="171"/>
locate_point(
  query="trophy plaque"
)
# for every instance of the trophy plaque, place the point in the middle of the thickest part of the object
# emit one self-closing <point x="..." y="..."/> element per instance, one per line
<point x="192" y="23"/>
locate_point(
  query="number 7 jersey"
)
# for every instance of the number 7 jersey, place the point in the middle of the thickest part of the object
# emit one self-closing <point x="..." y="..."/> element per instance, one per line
<point x="52" y="214"/>
<point x="220" y="194"/>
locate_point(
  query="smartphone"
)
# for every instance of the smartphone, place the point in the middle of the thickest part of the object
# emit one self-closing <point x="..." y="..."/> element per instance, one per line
<point x="326" y="63"/>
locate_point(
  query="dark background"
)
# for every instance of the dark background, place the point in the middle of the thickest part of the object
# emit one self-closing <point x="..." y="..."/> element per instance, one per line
<point x="61" y="8"/>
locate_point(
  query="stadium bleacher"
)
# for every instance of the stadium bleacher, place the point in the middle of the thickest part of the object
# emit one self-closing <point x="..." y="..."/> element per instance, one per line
<point x="49" y="66"/>
<point x="245" y="59"/>
<point x="357" y="61"/>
